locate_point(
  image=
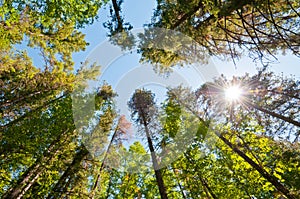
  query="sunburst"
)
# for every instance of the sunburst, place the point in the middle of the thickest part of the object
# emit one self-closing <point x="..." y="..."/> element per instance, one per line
<point x="233" y="93"/>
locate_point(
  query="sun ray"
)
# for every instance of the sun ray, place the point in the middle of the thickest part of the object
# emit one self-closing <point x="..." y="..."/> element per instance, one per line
<point x="233" y="93"/>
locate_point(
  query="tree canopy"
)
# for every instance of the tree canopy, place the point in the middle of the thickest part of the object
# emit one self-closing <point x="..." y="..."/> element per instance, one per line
<point x="59" y="138"/>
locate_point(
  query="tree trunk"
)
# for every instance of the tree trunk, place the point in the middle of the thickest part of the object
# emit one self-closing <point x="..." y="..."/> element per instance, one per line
<point x="159" y="179"/>
<point x="207" y="188"/>
<point x="29" y="184"/>
<point x="118" y="16"/>
<point x="24" y="183"/>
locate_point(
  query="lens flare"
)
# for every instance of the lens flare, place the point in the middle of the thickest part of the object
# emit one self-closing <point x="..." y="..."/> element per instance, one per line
<point x="233" y="93"/>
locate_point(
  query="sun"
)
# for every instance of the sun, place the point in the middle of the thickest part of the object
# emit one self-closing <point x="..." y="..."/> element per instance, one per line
<point x="233" y="93"/>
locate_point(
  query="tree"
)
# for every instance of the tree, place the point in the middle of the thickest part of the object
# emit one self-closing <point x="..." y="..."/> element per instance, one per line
<point x="47" y="157"/>
<point x="143" y="107"/>
<point x="271" y="99"/>
<point x="210" y="97"/>
<point x="227" y="29"/>
<point x="35" y="101"/>
<point x="26" y="88"/>
<point x="122" y="128"/>
<point x="250" y="145"/>
<point x="51" y="28"/>
<point x="34" y="152"/>
<point x="118" y="30"/>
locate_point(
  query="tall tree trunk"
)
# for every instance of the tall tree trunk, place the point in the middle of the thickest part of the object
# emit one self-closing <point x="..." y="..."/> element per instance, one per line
<point x="30" y="183"/>
<point x="159" y="179"/>
<point x="24" y="183"/>
<point x="207" y="188"/>
<point x="117" y="10"/>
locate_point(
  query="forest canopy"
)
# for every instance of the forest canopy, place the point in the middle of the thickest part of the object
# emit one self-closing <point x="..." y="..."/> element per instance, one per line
<point x="231" y="137"/>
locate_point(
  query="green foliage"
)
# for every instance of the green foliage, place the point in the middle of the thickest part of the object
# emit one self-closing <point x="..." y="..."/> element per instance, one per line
<point x="172" y="122"/>
<point x="49" y="26"/>
<point x="26" y="87"/>
<point x="142" y="105"/>
<point x="118" y="30"/>
<point x="227" y="29"/>
<point x="245" y="149"/>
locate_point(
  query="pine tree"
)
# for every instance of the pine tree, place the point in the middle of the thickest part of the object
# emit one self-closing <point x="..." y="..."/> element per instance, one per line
<point x="143" y="107"/>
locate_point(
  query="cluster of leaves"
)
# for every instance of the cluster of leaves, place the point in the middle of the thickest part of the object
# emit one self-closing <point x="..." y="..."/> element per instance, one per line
<point x="227" y="29"/>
